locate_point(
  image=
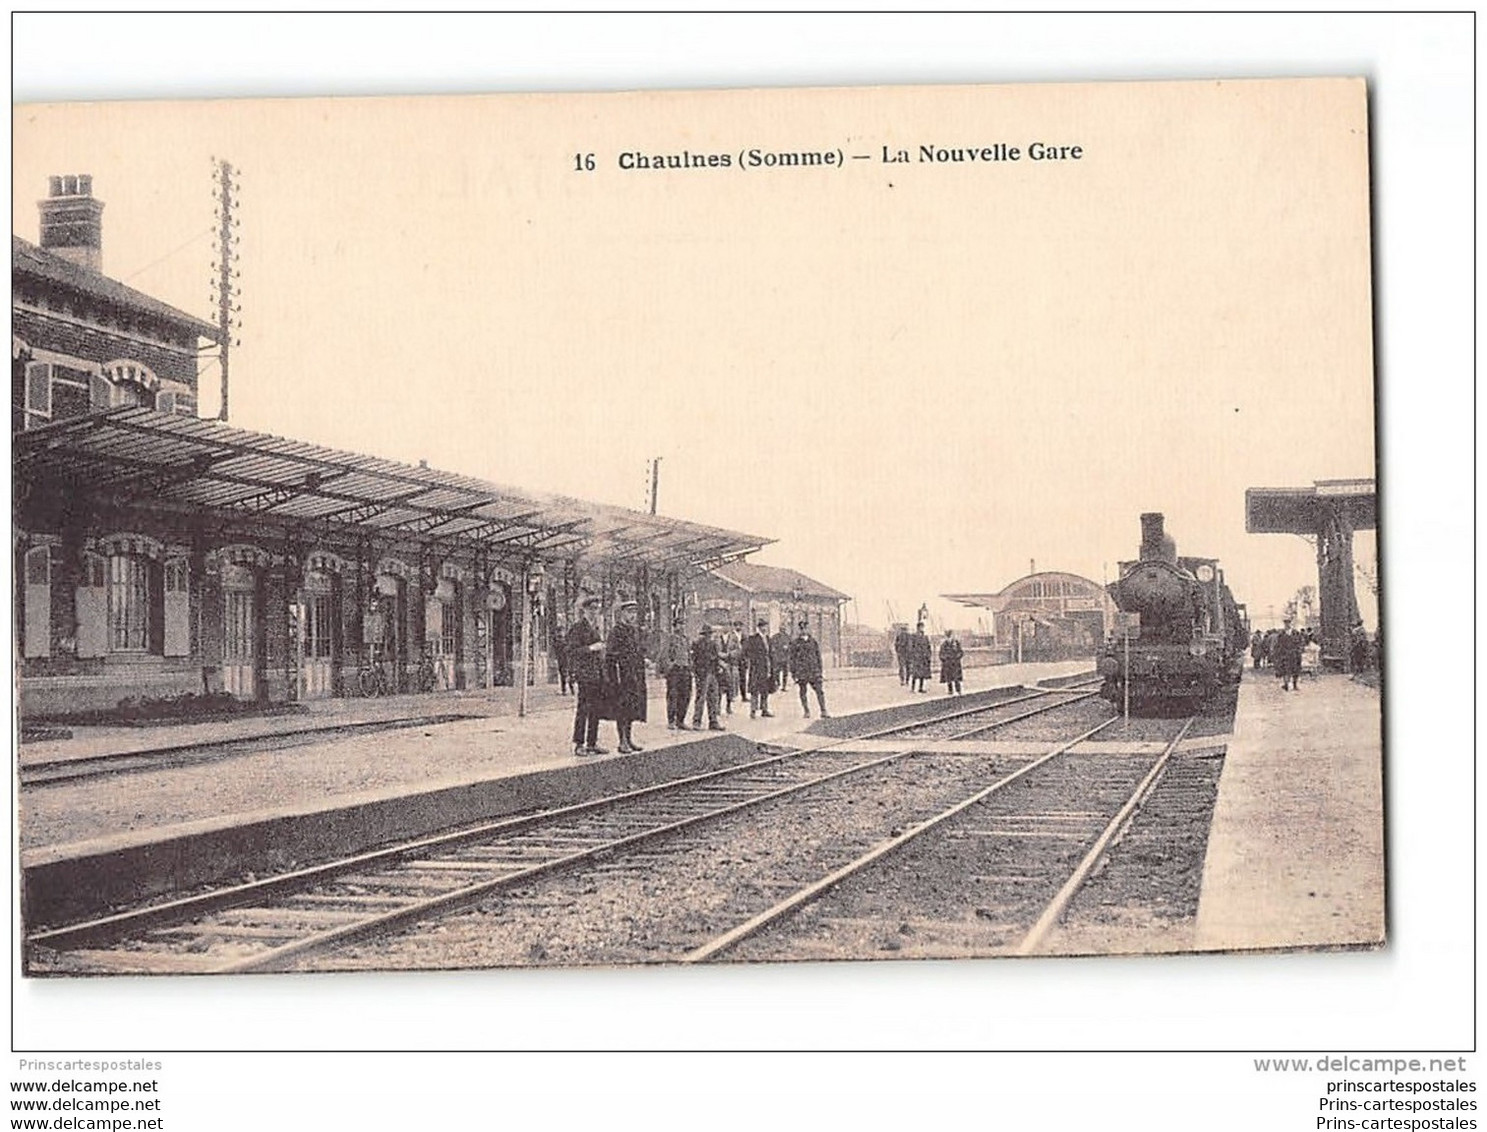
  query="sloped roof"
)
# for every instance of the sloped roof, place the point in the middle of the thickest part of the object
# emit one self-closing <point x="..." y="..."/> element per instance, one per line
<point x="28" y="259"/>
<point x="775" y="580"/>
<point x="168" y="457"/>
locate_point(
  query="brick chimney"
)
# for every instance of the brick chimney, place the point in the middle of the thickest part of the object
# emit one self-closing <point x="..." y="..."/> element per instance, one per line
<point x="72" y="221"/>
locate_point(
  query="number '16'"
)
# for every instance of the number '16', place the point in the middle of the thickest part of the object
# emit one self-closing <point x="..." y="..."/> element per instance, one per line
<point x="583" y="162"/>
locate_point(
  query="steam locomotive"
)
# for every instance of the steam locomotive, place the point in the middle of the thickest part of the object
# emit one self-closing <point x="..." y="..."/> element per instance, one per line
<point x="1190" y="642"/>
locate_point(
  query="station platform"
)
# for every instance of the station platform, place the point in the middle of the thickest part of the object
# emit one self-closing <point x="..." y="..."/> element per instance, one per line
<point x="1296" y="850"/>
<point x="284" y="788"/>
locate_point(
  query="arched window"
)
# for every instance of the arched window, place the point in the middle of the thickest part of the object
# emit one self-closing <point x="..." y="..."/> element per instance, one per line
<point x="131" y="383"/>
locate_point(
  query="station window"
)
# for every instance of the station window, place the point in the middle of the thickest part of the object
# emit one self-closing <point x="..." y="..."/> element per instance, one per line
<point x="128" y="603"/>
<point x="92" y="607"/>
<point x="177" y="607"/>
<point x="38" y="608"/>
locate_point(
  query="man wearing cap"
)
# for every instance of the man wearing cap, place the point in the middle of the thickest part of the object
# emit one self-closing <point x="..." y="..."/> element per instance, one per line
<point x="625" y="656"/>
<point x="705" y="664"/>
<point x="761" y="675"/>
<point x="586" y="669"/>
<point x="805" y="666"/>
<point x="674" y="662"/>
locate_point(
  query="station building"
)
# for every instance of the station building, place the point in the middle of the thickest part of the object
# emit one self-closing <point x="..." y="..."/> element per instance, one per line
<point x="158" y="554"/>
<point x="747" y="591"/>
<point x="1048" y="615"/>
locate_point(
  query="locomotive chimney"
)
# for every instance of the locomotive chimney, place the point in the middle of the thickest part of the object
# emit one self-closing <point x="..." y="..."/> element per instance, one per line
<point x="1156" y="544"/>
<point x="1151" y="535"/>
<point x="72" y="220"/>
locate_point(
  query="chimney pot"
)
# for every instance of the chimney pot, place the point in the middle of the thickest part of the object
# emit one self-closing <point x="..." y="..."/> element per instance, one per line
<point x="72" y="220"/>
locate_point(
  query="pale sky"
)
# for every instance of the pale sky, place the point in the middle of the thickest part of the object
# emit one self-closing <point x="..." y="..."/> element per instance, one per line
<point x="918" y="377"/>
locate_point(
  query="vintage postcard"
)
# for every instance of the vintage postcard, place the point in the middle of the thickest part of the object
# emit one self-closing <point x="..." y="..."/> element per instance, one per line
<point x="695" y="527"/>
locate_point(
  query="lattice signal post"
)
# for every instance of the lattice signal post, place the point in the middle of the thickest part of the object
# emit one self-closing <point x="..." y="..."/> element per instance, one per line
<point x="226" y="293"/>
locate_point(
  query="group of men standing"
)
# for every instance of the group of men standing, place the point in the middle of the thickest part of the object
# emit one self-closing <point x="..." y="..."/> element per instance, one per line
<point x="704" y="671"/>
<point x="608" y="673"/>
<point x="915" y="654"/>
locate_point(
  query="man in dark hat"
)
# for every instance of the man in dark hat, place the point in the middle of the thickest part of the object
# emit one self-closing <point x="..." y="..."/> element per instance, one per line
<point x="757" y="665"/>
<point x="586" y="669"/>
<point x="625" y="656"/>
<point x="674" y="662"/>
<point x="705" y="665"/>
<point x="805" y="667"/>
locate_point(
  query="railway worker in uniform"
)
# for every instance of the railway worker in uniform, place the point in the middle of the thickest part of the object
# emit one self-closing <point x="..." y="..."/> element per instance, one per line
<point x="760" y="671"/>
<point x="625" y="656"/>
<point x="706" y="666"/>
<point x="805" y="667"/>
<point x="903" y="649"/>
<point x="585" y="649"/>
<point x="674" y="663"/>
<point x="779" y="657"/>
<point x="730" y="651"/>
<point x="1286" y="656"/>
<point x="921" y="658"/>
<point x="951" y="655"/>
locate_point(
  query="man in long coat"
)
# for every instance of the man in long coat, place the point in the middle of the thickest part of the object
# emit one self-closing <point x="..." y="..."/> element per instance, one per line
<point x="921" y="658"/>
<point x="951" y="655"/>
<point x="805" y="667"/>
<point x="626" y="659"/>
<point x="758" y="665"/>
<point x="585" y="649"/>
<point x="1287" y="657"/>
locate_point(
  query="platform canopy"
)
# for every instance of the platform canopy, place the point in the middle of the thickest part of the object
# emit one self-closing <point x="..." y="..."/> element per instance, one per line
<point x="171" y="459"/>
<point x="1306" y="510"/>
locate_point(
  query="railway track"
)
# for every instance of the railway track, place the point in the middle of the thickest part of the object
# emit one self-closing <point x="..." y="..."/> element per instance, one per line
<point x="1009" y="859"/>
<point x="281" y="921"/>
<point x="56" y="772"/>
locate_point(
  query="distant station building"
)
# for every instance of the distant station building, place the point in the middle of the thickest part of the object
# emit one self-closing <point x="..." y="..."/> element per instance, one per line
<point x="157" y="554"/>
<point x="1049" y="615"/>
<point x="744" y="591"/>
<point x="1329" y="511"/>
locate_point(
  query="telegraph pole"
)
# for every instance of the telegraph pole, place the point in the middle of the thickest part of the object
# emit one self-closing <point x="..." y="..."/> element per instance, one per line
<point x="226" y="282"/>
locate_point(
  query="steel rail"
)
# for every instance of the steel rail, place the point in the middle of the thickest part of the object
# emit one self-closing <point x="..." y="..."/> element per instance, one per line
<point x="1117" y="826"/>
<point x="104" y="929"/>
<point x="805" y="895"/>
<point x="278" y="957"/>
